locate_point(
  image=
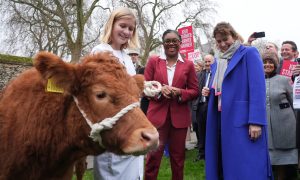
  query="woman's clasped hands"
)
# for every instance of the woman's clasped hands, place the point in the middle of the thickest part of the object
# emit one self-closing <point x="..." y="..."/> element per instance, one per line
<point x="170" y="92"/>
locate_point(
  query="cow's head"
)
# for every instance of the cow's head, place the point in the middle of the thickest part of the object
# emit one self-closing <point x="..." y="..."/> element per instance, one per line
<point x="103" y="88"/>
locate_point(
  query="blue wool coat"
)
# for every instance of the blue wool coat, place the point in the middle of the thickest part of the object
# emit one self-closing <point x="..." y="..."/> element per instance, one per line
<point x="243" y="103"/>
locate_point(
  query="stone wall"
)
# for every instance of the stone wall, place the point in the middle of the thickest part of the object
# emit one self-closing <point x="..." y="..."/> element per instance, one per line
<point x="10" y="70"/>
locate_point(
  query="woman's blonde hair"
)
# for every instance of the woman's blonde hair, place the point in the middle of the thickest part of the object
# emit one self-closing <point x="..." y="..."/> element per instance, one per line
<point x="116" y="15"/>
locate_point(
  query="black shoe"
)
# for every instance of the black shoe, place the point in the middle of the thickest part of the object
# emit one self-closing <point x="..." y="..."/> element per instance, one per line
<point x="199" y="158"/>
<point x="196" y="160"/>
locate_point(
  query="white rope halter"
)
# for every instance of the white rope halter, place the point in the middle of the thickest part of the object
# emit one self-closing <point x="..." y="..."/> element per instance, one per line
<point x="152" y="88"/>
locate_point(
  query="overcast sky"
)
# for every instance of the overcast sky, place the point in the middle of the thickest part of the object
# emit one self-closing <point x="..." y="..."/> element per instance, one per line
<point x="280" y="19"/>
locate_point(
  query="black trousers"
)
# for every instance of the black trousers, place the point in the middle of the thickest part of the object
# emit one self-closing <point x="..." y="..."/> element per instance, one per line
<point x="144" y="104"/>
<point x="201" y="117"/>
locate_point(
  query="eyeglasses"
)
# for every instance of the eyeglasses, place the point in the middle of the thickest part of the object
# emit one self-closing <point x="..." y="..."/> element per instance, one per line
<point x="169" y="41"/>
<point x="133" y="54"/>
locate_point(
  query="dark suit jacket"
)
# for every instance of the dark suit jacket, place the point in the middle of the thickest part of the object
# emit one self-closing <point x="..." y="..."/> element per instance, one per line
<point x="139" y="69"/>
<point x="201" y="83"/>
<point x="184" y="78"/>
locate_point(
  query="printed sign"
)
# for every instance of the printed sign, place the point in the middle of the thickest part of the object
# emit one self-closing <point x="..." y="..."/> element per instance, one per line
<point x="296" y="93"/>
<point x="187" y="38"/>
<point x="194" y="56"/>
<point x="287" y="68"/>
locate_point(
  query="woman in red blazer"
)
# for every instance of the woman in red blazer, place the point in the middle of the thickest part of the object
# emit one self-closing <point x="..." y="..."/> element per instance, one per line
<point x="169" y="111"/>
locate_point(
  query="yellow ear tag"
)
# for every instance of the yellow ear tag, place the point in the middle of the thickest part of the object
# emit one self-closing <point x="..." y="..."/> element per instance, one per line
<point x="52" y="87"/>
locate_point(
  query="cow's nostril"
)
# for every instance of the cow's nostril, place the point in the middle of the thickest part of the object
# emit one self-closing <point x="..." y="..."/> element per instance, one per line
<point x="151" y="139"/>
<point x="146" y="136"/>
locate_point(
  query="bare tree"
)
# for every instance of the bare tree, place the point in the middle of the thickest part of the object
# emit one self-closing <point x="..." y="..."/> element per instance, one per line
<point x="203" y="28"/>
<point x="63" y="27"/>
<point x="28" y="23"/>
<point x="156" y="15"/>
<point x="66" y="27"/>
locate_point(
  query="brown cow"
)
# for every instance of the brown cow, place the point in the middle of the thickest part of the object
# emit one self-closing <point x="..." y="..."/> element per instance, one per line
<point x="42" y="133"/>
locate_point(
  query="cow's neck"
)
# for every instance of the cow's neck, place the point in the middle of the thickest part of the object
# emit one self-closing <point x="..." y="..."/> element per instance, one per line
<point x="71" y="149"/>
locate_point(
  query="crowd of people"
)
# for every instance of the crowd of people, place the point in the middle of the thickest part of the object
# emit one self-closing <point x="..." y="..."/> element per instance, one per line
<point x="236" y="100"/>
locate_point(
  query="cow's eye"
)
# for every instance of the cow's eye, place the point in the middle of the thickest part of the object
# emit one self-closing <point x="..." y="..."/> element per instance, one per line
<point x="101" y="95"/>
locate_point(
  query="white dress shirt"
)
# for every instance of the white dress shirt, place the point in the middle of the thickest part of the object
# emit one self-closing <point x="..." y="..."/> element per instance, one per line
<point x="171" y="70"/>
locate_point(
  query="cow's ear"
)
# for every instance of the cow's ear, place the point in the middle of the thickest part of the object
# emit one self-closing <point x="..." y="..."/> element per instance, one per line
<point x="52" y="66"/>
<point x="139" y="81"/>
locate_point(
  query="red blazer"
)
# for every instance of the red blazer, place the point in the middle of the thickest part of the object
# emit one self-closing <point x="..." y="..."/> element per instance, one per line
<point x="184" y="78"/>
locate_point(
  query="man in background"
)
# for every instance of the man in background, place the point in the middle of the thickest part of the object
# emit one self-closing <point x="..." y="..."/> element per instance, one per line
<point x="134" y="54"/>
<point x="289" y="52"/>
<point x="200" y="106"/>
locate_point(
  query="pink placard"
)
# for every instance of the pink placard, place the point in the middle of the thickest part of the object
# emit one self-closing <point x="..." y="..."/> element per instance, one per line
<point x="194" y="56"/>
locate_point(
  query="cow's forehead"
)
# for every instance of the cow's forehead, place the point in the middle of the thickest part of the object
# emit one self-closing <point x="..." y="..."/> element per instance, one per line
<point x="109" y="75"/>
<point x="101" y="72"/>
<point x="112" y="80"/>
<point x="107" y="82"/>
<point x="116" y="83"/>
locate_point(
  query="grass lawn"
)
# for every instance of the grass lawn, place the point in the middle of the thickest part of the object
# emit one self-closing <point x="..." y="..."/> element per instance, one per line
<point x="192" y="170"/>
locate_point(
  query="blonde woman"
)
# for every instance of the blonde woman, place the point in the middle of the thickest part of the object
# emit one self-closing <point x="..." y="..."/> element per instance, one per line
<point x="119" y="34"/>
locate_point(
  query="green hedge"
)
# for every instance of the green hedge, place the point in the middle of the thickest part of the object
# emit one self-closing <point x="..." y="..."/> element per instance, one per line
<point x="15" y="59"/>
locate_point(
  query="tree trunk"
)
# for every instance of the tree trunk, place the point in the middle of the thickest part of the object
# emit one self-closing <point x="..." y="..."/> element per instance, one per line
<point x="76" y="53"/>
<point x="146" y="54"/>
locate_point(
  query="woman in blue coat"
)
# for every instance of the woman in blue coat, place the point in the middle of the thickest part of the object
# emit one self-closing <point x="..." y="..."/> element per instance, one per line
<point x="236" y="139"/>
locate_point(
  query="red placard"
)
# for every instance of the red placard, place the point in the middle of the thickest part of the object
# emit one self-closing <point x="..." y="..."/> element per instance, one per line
<point x="287" y="68"/>
<point x="187" y="37"/>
